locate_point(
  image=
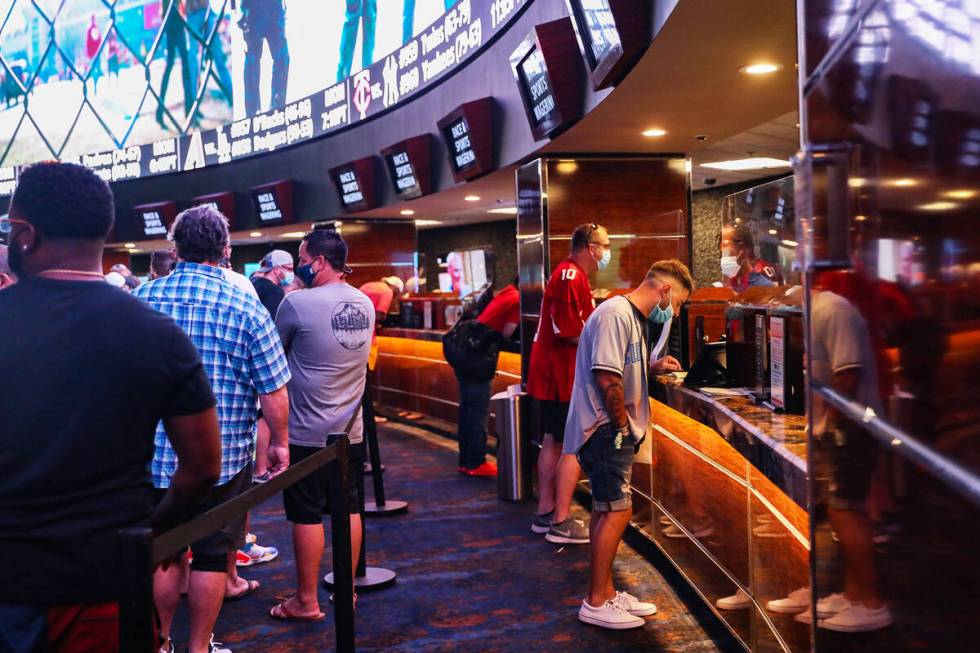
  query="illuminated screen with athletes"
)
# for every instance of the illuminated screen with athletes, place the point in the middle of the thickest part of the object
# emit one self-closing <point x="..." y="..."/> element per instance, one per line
<point x="140" y="87"/>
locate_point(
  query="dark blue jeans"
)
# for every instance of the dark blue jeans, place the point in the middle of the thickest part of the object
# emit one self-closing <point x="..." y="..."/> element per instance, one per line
<point x="474" y="410"/>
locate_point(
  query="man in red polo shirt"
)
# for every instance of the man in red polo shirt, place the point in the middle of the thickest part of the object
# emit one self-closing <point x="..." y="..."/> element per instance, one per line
<point x="502" y="315"/>
<point x="567" y="304"/>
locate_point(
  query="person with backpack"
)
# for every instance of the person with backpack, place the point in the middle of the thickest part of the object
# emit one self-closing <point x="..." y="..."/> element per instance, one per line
<point x="472" y="348"/>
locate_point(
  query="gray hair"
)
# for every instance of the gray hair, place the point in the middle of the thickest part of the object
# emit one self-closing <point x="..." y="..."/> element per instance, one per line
<point x="200" y="235"/>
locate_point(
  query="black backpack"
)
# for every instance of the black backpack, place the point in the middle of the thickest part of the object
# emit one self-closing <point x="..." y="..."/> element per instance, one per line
<point x="471" y="348"/>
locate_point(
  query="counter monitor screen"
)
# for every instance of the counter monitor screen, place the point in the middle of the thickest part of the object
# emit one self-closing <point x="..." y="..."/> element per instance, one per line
<point x="267" y="205"/>
<point x="458" y="136"/>
<point x="537" y="87"/>
<point x="403" y="174"/>
<point x="351" y="193"/>
<point x="600" y="35"/>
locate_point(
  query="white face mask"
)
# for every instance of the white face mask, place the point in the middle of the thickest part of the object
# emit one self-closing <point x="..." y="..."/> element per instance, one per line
<point x="729" y="266"/>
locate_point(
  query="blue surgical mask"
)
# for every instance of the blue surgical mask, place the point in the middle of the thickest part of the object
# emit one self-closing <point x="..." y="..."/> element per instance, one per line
<point x="306" y="274"/>
<point x="288" y="279"/>
<point x="662" y="315"/>
<point x="604" y="261"/>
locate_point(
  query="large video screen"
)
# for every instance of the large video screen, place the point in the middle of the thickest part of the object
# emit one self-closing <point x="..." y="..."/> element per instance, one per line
<point x="141" y="87"/>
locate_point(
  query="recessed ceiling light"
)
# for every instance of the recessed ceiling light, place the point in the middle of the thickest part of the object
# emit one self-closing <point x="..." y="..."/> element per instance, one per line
<point x="472" y="198"/>
<point x="939" y="206"/>
<point x="902" y="183"/>
<point x="752" y="163"/>
<point x="509" y="210"/>
<point x="293" y="234"/>
<point x="566" y="167"/>
<point x="961" y="194"/>
<point x="256" y="234"/>
<point x="426" y="223"/>
<point x="762" y="68"/>
<point x="408" y="212"/>
<point x="773" y="232"/>
<point x="656" y="132"/>
<point x="129" y="245"/>
<point x="860" y="218"/>
<point x="857" y="182"/>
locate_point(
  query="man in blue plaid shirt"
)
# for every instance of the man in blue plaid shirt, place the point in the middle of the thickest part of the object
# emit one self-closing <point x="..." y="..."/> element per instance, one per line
<point x="243" y="357"/>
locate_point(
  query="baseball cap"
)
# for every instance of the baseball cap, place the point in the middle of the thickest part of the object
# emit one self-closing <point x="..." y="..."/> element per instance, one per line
<point x="115" y="279"/>
<point x="396" y="282"/>
<point x="275" y="258"/>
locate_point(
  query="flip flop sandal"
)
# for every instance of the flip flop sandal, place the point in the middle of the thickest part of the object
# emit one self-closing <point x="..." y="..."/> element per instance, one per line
<point x="280" y="612"/>
<point x="253" y="585"/>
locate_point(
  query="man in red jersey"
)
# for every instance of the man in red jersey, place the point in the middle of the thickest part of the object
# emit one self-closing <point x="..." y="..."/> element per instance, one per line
<point x="567" y="304"/>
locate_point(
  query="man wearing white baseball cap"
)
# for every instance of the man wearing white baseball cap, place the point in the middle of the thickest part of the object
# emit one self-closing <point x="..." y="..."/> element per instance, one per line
<point x="275" y="272"/>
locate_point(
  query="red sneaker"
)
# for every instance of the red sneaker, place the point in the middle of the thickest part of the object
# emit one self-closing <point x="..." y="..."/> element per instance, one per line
<point x="486" y="469"/>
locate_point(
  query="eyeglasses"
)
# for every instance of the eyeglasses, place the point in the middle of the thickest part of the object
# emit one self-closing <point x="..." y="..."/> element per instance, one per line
<point x="7" y="224"/>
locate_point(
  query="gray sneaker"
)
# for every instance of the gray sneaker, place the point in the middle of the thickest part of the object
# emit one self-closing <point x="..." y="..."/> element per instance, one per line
<point x="570" y="531"/>
<point x="541" y="523"/>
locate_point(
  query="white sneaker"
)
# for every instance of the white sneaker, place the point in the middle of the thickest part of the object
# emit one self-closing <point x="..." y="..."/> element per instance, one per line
<point x="828" y="606"/>
<point x="797" y="601"/>
<point x="857" y="618"/>
<point x="609" y="615"/>
<point x="217" y="647"/>
<point x="737" y="601"/>
<point x="633" y="605"/>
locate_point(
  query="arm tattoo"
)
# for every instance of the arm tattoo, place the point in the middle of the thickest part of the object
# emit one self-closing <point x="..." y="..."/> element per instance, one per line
<point x="613" y="397"/>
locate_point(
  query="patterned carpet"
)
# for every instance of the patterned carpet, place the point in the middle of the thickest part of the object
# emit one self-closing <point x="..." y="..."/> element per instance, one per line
<point x="471" y="575"/>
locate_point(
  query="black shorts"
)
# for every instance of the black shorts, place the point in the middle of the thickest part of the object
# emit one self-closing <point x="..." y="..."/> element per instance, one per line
<point x="853" y="456"/>
<point x="554" y="414"/>
<point x="211" y="552"/>
<point x="308" y="500"/>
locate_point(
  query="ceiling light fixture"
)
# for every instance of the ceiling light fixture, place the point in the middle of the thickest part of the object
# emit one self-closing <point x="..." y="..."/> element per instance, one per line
<point x="407" y="212"/>
<point x="509" y="210"/>
<point x="566" y="167"/>
<point x="773" y="232"/>
<point x="857" y="182"/>
<point x="939" y="206"/>
<point x="426" y="223"/>
<point x="960" y="194"/>
<point x="472" y="198"/>
<point x="789" y="243"/>
<point x="256" y="234"/>
<point x="902" y="183"/>
<point x="752" y="163"/>
<point x="293" y="234"/>
<point x="656" y="132"/>
<point x="130" y="245"/>
<point x="762" y="68"/>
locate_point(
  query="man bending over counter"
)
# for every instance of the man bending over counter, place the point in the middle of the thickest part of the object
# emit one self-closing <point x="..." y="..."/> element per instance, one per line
<point x="608" y="419"/>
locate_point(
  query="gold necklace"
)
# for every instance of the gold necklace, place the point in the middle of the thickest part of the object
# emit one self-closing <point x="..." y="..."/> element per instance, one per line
<point x="70" y="272"/>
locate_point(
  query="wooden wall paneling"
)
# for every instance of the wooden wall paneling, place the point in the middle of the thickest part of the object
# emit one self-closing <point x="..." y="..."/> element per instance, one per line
<point x="379" y="248"/>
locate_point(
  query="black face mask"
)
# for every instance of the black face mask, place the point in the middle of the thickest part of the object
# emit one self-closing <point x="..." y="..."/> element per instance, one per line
<point x="306" y="274"/>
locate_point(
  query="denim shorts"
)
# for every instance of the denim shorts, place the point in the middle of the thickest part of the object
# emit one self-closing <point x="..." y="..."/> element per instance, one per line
<point x="609" y="469"/>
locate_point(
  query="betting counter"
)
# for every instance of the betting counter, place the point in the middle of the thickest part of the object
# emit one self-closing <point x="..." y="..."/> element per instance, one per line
<point x="724" y="497"/>
<point x="723" y="493"/>
<point x="412" y="375"/>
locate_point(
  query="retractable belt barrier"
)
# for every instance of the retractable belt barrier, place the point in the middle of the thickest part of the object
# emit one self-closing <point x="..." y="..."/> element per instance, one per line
<point x="140" y="552"/>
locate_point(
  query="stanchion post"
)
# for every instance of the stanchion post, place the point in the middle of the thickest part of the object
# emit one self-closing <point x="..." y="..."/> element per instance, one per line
<point x="136" y="602"/>
<point x="341" y="537"/>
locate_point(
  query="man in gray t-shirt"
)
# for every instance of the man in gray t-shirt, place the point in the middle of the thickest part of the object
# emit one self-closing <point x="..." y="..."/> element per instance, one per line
<point x="608" y="419"/>
<point x="326" y="332"/>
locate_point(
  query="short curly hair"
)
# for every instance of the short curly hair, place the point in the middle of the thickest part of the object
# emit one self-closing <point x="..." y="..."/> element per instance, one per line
<point x="200" y="235"/>
<point x="64" y="201"/>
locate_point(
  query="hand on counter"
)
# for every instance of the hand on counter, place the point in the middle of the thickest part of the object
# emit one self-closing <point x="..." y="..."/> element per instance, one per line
<point x="665" y="365"/>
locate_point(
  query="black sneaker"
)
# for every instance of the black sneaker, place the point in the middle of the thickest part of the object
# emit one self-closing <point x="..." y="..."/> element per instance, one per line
<point x="570" y="531"/>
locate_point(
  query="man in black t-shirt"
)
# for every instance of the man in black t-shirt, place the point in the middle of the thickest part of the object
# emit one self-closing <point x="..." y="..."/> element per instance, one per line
<point x="275" y="273"/>
<point x="80" y="409"/>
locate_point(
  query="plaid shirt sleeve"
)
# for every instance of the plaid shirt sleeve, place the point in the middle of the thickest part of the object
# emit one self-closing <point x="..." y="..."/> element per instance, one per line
<point x="267" y="361"/>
